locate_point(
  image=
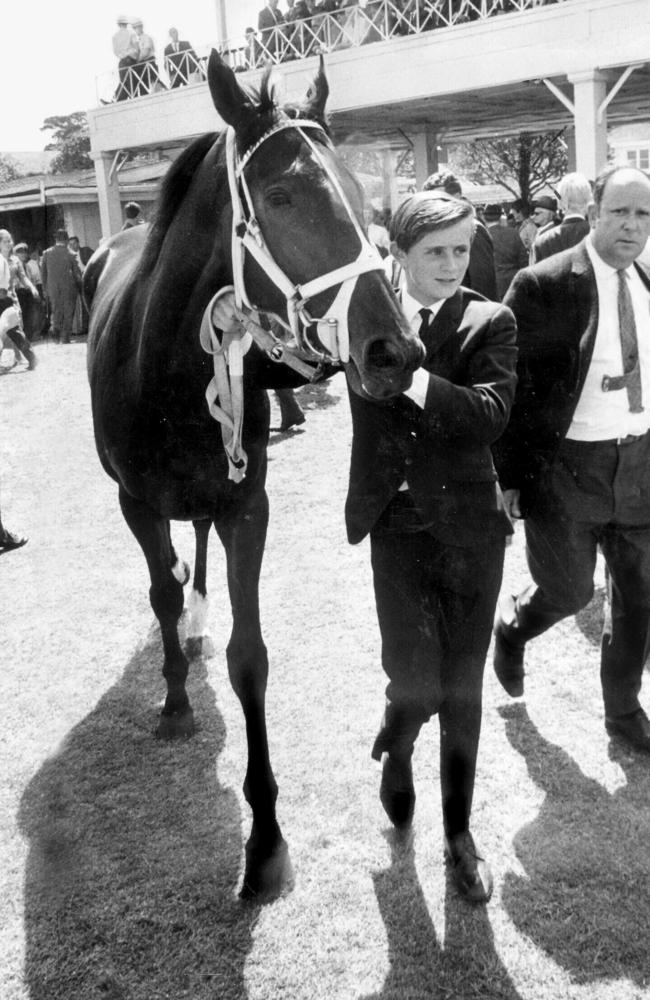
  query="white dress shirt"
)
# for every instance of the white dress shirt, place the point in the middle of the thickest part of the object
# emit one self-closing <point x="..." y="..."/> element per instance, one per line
<point x="600" y="415"/>
<point x="411" y="309"/>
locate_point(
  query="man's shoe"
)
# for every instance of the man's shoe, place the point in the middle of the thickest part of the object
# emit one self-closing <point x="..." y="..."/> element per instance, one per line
<point x="508" y="660"/>
<point x="396" y="791"/>
<point x="633" y="729"/>
<point x="471" y="873"/>
<point x="9" y="541"/>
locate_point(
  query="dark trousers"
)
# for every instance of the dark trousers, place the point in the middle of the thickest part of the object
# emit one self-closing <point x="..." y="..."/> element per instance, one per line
<point x="435" y="605"/>
<point x="598" y="495"/>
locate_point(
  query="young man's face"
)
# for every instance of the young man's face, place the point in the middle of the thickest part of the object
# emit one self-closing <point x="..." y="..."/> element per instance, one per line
<point x="435" y="266"/>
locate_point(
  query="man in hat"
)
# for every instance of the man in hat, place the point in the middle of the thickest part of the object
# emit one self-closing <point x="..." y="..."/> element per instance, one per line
<point x="125" y="48"/>
<point x="544" y="209"/>
<point x="147" y="68"/>
<point x="509" y="251"/>
<point x="575" y="197"/>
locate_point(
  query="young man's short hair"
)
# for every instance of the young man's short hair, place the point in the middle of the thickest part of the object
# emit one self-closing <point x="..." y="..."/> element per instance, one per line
<point x="132" y="210"/>
<point x="426" y="212"/>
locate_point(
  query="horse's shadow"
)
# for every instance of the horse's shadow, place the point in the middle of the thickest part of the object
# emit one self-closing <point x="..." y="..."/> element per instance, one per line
<point x="134" y="855"/>
<point x="422" y="966"/>
<point x="585" y="895"/>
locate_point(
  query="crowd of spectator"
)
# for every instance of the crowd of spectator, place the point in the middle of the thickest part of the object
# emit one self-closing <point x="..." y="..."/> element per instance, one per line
<point x="303" y="28"/>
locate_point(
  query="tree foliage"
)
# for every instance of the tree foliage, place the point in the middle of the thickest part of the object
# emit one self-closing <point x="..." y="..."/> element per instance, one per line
<point x="9" y="169"/>
<point x="71" y="139"/>
<point x="522" y="164"/>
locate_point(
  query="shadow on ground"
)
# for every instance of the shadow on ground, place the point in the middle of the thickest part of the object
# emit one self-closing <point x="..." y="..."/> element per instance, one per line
<point x="585" y="895"/>
<point x="134" y="855"/>
<point x="423" y="967"/>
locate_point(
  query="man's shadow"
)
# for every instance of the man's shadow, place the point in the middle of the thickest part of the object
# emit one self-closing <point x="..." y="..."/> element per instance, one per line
<point x="423" y="967"/>
<point x="585" y="895"/>
<point x="135" y="853"/>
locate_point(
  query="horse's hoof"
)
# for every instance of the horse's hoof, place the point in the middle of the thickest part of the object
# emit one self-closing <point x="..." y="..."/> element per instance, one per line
<point x="266" y="879"/>
<point x="177" y="726"/>
<point x="199" y="646"/>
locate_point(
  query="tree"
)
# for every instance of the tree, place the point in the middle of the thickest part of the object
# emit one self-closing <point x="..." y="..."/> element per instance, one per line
<point x="71" y="139"/>
<point x="522" y="164"/>
<point x="9" y="169"/>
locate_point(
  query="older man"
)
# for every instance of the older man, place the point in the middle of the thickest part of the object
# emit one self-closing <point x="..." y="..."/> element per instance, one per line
<point x="575" y="459"/>
<point x="575" y="197"/>
<point x="61" y="283"/>
<point x="125" y="49"/>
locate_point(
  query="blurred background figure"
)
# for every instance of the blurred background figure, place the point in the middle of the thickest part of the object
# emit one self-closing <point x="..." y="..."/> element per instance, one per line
<point x="181" y="61"/>
<point x="62" y="283"/>
<point x="574" y="191"/>
<point x="509" y="252"/>
<point x="12" y="276"/>
<point x="132" y="215"/>
<point x="125" y="49"/>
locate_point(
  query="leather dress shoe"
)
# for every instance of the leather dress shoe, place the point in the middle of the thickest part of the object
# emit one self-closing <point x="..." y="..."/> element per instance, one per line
<point x="633" y="729"/>
<point x="396" y="791"/>
<point x="471" y="873"/>
<point x="508" y="661"/>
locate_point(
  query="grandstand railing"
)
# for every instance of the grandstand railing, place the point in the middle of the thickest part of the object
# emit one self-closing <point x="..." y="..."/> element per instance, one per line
<point x="349" y="27"/>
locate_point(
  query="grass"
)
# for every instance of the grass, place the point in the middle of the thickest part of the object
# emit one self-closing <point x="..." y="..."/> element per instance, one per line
<point x="122" y="855"/>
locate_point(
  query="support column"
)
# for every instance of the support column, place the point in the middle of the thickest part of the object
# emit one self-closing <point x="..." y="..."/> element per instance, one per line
<point x="389" y="176"/>
<point x="589" y="93"/>
<point x="222" y="23"/>
<point x="108" y="193"/>
<point x="425" y="154"/>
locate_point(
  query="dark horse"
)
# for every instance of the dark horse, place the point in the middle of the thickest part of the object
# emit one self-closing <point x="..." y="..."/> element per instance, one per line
<point x="148" y="374"/>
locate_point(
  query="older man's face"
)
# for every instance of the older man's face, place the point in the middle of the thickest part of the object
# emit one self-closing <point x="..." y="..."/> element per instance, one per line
<point x="622" y="223"/>
<point x="541" y="216"/>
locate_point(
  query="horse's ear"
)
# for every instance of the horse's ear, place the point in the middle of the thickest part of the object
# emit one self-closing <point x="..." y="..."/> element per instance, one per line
<point x="317" y="94"/>
<point x="231" y="101"/>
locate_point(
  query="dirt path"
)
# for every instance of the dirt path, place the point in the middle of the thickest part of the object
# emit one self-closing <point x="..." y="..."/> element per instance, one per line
<point x="121" y="856"/>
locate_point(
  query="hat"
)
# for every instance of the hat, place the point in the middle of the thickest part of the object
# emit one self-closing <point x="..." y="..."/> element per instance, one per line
<point x="122" y="19"/>
<point x="549" y="204"/>
<point x="136" y="21"/>
<point x="492" y="213"/>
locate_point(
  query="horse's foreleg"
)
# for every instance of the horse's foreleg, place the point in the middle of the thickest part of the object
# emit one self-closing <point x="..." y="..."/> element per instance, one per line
<point x="199" y="641"/>
<point x="268" y="869"/>
<point x="166" y="594"/>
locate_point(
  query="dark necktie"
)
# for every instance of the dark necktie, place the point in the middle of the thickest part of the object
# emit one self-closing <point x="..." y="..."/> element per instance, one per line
<point x="631" y="378"/>
<point x="426" y="324"/>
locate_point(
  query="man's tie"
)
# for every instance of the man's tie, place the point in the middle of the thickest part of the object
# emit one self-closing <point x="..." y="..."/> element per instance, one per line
<point x="426" y="324"/>
<point x="631" y="379"/>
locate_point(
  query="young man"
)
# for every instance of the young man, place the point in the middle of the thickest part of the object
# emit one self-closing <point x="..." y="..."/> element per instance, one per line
<point x="423" y="485"/>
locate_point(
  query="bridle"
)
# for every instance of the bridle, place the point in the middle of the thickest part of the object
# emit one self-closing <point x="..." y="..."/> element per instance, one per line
<point x="330" y="330"/>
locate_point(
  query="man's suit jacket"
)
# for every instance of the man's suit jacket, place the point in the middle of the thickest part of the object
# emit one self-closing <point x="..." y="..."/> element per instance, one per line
<point x="509" y="255"/>
<point x="269" y="19"/>
<point x="555" y="304"/>
<point x="481" y="276"/>
<point x="562" y="237"/>
<point x="61" y="273"/>
<point x="443" y="450"/>
<point x="180" y="65"/>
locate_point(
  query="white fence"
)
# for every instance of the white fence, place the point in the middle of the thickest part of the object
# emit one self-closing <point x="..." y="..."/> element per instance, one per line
<point x="351" y="26"/>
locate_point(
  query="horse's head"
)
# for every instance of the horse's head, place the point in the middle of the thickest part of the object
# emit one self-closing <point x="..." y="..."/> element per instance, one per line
<point x="299" y="246"/>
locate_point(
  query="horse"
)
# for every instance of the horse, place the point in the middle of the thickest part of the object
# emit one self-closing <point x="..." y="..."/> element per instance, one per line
<point x="268" y="207"/>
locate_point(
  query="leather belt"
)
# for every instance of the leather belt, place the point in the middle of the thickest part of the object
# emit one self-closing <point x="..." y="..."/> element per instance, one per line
<point x="630" y="438"/>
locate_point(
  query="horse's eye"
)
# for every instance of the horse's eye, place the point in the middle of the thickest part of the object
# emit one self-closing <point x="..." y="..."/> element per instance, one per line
<point x="278" y="198"/>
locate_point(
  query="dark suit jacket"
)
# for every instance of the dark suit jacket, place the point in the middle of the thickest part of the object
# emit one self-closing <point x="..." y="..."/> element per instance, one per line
<point x="480" y="274"/>
<point x="268" y="19"/>
<point x="555" y="304"/>
<point x="562" y="237"/>
<point x="180" y="64"/>
<point x="510" y="255"/>
<point x="444" y="450"/>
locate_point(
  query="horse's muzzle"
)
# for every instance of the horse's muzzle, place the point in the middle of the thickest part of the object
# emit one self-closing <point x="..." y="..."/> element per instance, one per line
<point x="387" y="368"/>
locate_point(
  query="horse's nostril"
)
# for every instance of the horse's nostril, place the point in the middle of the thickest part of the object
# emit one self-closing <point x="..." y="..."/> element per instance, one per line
<point x="382" y="354"/>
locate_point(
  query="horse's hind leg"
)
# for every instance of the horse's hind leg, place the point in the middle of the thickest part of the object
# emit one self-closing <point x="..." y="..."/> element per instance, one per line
<point x="166" y="594"/>
<point x="268" y="869"/>
<point x="199" y="641"/>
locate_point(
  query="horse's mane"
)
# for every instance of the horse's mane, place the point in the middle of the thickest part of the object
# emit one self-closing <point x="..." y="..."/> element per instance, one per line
<point x="174" y="188"/>
<point x="264" y="110"/>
